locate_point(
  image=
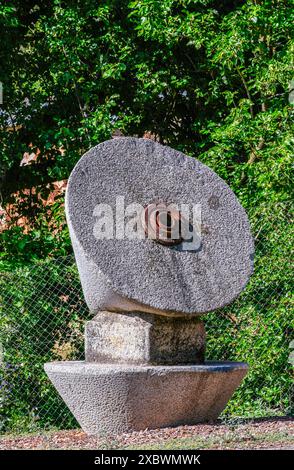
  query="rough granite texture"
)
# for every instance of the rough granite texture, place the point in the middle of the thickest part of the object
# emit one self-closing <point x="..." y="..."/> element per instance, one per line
<point x="140" y="338"/>
<point x="113" y="399"/>
<point x="142" y="275"/>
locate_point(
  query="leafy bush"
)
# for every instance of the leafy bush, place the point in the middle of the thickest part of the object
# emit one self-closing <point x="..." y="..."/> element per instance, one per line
<point x="42" y="318"/>
<point x="258" y="327"/>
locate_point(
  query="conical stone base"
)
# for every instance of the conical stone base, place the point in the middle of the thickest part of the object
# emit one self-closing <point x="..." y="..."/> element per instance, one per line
<point x="117" y="398"/>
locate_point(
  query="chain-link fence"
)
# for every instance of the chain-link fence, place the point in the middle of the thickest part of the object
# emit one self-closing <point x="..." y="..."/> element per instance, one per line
<point x="43" y="314"/>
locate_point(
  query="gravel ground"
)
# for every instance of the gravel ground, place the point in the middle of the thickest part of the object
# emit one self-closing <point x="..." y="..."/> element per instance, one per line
<point x="270" y="433"/>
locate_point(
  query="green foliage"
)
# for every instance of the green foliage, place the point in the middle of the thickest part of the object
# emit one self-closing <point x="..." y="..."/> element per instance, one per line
<point x="207" y="77"/>
<point x="44" y="235"/>
<point x="210" y="78"/>
<point x="42" y="318"/>
<point x="258" y="327"/>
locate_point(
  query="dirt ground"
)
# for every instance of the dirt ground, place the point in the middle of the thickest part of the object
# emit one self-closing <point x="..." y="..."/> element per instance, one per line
<point x="269" y="433"/>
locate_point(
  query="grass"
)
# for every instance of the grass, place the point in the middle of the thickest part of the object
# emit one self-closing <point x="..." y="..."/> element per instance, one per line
<point x="234" y="434"/>
<point x="229" y="441"/>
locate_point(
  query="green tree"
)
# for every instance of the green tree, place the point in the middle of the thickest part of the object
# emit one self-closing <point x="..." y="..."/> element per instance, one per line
<point x="209" y="78"/>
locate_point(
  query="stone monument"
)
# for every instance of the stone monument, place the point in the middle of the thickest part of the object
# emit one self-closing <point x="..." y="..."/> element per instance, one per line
<point x="182" y="248"/>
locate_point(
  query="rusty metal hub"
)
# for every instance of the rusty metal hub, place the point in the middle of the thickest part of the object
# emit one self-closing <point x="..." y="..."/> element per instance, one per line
<point x="163" y="224"/>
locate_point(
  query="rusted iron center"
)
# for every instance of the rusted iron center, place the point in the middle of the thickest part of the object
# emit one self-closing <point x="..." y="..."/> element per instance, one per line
<point x="162" y="224"/>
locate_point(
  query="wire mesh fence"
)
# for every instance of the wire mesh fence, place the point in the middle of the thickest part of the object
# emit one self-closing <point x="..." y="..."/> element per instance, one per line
<point x="43" y="313"/>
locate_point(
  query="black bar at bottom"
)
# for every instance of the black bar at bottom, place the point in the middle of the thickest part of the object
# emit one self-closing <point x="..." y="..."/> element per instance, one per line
<point x="124" y="459"/>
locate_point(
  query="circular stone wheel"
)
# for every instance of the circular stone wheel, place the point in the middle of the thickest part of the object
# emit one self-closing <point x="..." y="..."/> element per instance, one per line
<point x="143" y="275"/>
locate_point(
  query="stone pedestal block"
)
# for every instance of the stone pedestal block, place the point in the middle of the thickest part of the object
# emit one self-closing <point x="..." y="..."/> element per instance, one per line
<point x="138" y="338"/>
<point x="117" y="398"/>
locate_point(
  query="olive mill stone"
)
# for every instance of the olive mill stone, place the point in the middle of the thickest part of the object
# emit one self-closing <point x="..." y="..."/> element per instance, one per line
<point x="149" y="268"/>
<point x="140" y="275"/>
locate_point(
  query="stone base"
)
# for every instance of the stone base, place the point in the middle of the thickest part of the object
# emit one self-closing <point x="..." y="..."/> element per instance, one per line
<point x="141" y="338"/>
<point x="114" y="398"/>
